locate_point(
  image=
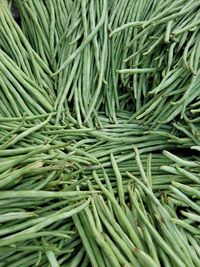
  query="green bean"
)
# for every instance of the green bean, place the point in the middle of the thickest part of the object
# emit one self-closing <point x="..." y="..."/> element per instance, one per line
<point x="127" y="25"/>
<point x="168" y="31"/>
<point x="132" y="71"/>
<point x="194" y="244"/>
<point x="151" y="246"/>
<point x="77" y="259"/>
<point x="85" y="262"/>
<point x="191" y="215"/>
<point x="179" y="160"/>
<point x="119" y="180"/>
<point x="15" y="215"/>
<point x="187" y="226"/>
<point x="196" y="148"/>
<point x="187" y="189"/>
<point x="189" y="175"/>
<point x="52" y="259"/>
<point x="185" y="199"/>
<point x="40" y="194"/>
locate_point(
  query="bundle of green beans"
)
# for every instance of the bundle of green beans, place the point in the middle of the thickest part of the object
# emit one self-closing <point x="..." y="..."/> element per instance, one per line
<point x="135" y="56"/>
<point x="99" y="133"/>
<point x="137" y="223"/>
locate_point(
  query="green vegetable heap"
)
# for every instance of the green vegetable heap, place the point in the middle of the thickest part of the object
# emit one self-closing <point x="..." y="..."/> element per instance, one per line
<point x="99" y="133"/>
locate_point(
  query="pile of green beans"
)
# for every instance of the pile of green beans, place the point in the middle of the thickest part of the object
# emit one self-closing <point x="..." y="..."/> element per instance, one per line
<point x="63" y="185"/>
<point x="137" y="57"/>
<point x="137" y="223"/>
<point x="99" y="133"/>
